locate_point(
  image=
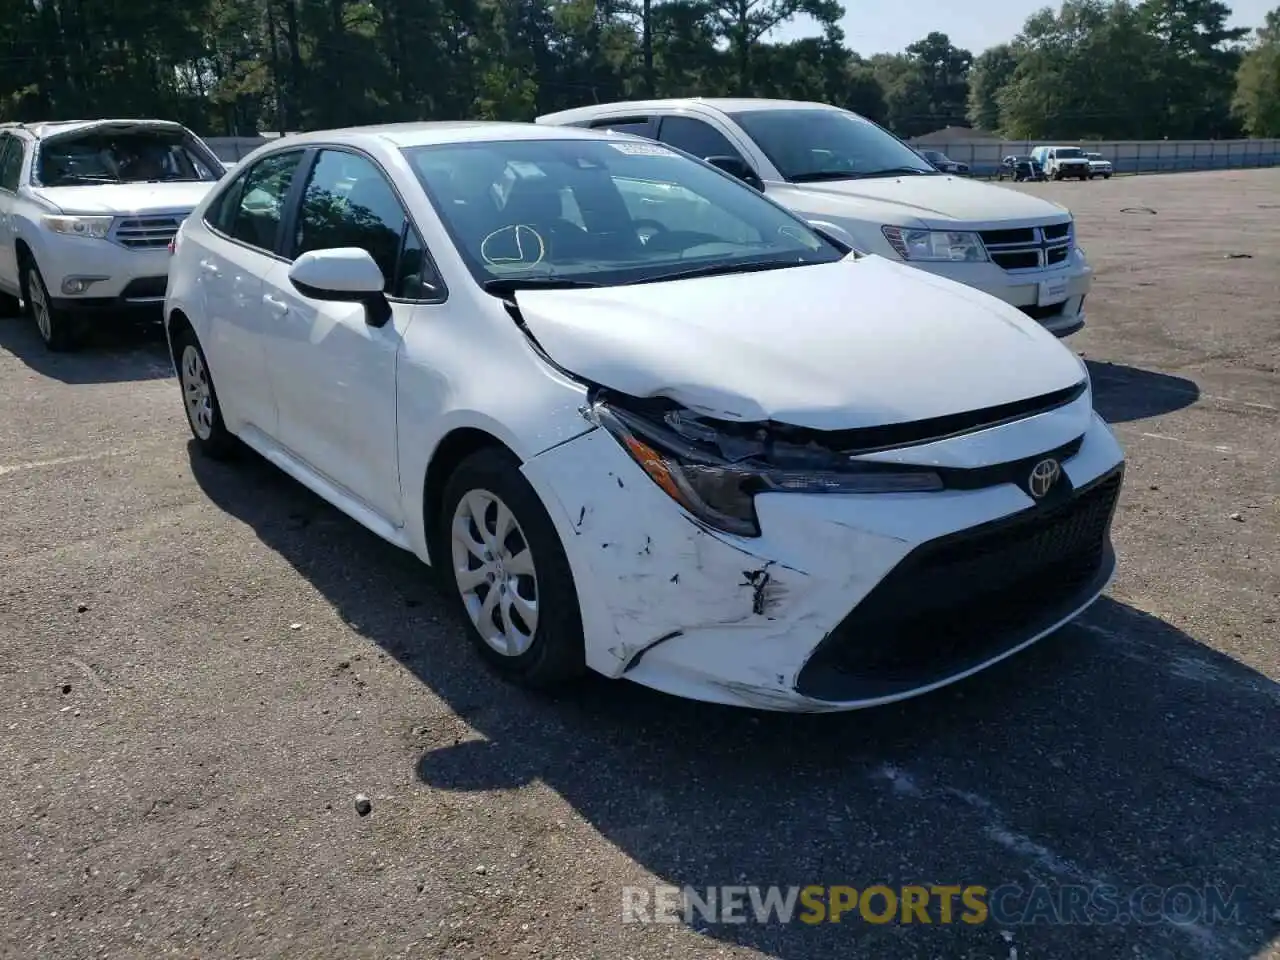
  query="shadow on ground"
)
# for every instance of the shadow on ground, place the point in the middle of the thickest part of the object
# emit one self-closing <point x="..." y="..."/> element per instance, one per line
<point x="1122" y="393"/>
<point x="115" y="352"/>
<point x="1120" y="751"/>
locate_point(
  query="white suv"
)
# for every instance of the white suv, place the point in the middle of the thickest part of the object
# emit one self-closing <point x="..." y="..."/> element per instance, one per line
<point x="87" y="210"/>
<point x="1099" y="166"/>
<point x="838" y="169"/>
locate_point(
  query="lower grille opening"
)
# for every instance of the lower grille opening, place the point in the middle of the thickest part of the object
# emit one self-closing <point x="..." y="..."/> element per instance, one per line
<point x="956" y="602"/>
<point x="1044" y="313"/>
<point x="1018" y="260"/>
<point x="144" y="287"/>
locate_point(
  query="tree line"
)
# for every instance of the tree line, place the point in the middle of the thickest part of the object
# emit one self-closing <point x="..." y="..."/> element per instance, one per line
<point x="1091" y="69"/>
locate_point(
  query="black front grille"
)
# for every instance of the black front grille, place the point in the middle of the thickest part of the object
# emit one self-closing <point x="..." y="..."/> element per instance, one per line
<point x="147" y="233"/>
<point x="956" y="602"/>
<point x="1029" y="248"/>
<point x="996" y="238"/>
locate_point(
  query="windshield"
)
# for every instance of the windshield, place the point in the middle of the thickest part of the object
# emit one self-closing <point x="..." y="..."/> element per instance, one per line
<point x="105" y="156"/>
<point x="603" y="213"/>
<point x="1069" y="153"/>
<point x="827" y="144"/>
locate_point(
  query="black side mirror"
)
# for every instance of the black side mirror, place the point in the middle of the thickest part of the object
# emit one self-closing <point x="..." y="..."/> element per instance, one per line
<point x="737" y="167"/>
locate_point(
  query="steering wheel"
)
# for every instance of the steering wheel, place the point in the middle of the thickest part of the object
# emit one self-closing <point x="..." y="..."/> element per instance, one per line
<point x="648" y="229"/>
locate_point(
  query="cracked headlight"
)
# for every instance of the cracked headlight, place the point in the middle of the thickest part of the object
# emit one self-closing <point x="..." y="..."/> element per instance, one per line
<point x="682" y="458"/>
<point x="935" y="245"/>
<point x="92" y="228"/>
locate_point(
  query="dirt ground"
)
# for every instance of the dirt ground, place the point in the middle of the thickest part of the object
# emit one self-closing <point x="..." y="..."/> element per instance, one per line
<point x="201" y="666"/>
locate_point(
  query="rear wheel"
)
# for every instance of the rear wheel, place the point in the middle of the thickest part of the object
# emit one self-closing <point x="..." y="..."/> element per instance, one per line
<point x="57" y="328"/>
<point x="509" y="573"/>
<point x="200" y="399"/>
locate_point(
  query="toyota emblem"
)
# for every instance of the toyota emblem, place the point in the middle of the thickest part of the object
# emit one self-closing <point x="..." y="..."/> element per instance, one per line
<point x="1043" y="476"/>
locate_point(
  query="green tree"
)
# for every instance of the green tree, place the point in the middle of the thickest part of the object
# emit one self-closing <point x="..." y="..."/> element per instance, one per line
<point x="1194" y="66"/>
<point x="742" y="23"/>
<point x="1257" y="98"/>
<point x="906" y="101"/>
<point x="943" y="70"/>
<point x="925" y="87"/>
<point x="991" y="71"/>
<point x="1083" y="73"/>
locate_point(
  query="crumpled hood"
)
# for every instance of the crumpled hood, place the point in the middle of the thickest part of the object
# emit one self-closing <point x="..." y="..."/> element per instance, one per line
<point x="857" y="343"/>
<point x="126" y="199"/>
<point x="942" y="201"/>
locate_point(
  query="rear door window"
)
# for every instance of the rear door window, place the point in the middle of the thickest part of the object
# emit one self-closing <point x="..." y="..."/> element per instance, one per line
<point x="696" y="137"/>
<point x="11" y="154"/>
<point x="257" y="216"/>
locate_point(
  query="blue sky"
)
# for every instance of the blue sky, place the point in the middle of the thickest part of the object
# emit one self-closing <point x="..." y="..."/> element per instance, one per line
<point x="881" y="26"/>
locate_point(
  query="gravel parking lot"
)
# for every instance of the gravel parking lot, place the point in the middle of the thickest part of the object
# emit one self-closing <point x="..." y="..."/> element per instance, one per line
<point x="204" y="664"/>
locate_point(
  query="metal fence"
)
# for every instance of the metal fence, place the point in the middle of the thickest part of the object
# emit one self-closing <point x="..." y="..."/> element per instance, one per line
<point x="984" y="156"/>
<point x="1126" y="156"/>
<point x="235" y="149"/>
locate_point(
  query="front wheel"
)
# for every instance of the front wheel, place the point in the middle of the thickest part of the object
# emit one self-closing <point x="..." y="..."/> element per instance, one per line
<point x="57" y="328"/>
<point x="509" y="573"/>
<point x="200" y="399"/>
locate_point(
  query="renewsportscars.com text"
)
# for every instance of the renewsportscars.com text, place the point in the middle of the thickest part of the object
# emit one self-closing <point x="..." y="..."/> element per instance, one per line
<point x="1005" y="905"/>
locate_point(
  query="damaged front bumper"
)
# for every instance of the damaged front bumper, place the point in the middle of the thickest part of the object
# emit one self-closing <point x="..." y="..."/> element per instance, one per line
<point x="845" y="601"/>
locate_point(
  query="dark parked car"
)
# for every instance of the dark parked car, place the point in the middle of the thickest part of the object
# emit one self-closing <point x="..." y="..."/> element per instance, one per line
<point x="1019" y="168"/>
<point x="945" y="164"/>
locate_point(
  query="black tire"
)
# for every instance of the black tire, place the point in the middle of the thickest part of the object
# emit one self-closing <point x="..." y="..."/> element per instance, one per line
<point x="1106" y="176"/>
<point x="556" y="654"/>
<point x="57" y="328"/>
<point x="200" y="399"/>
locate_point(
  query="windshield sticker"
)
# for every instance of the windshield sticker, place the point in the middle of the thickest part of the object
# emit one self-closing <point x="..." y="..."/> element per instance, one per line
<point x="642" y="149"/>
<point x="517" y="246"/>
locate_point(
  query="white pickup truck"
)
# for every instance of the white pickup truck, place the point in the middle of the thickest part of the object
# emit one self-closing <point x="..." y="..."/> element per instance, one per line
<point x="87" y="210"/>
<point x="1060" y="163"/>
<point x="837" y="168"/>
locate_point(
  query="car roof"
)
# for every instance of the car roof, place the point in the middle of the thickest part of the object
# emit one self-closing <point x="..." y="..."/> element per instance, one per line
<point x="435" y="132"/>
<point x="720" y="104"/>
<point x="49" y="128"/>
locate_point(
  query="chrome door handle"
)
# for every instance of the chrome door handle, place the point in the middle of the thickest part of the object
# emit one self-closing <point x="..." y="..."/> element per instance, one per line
<point x="278" y="307"/>
<point x="209" y="268"/>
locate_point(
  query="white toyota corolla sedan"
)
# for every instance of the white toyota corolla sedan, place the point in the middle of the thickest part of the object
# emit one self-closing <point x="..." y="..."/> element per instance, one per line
<point x="645" y="420"/>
